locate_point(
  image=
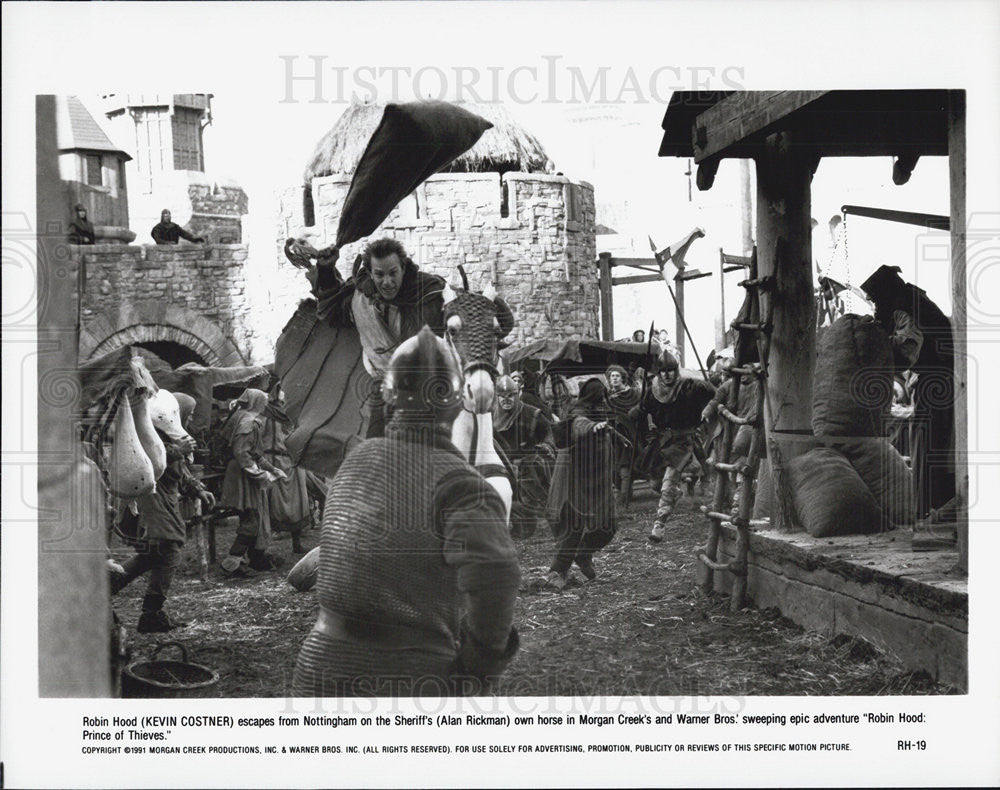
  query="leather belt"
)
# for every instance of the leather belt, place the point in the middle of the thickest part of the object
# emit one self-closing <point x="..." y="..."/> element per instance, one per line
<point x="388" y="635"/>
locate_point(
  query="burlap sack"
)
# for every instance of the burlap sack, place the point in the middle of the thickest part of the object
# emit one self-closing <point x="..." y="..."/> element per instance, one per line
<point x="829" y="497"/>
<point x="762" y="503"/>
<point x="305" y="572"/>
<point x="852" y="384"/>
<point x="887" y="476"/>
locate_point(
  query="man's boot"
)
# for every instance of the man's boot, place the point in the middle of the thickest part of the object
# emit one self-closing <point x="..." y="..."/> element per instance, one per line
<point x="297" y="546"/>
<point x="233" y="562"/>
<point x="153" y="619"/>
<point x="262" y="561"/>
<point x="660" y="526"/>
<point x="586" y="566"/>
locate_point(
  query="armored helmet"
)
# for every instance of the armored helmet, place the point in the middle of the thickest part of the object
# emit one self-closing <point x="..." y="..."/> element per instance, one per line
<point x="423" y="375"/>
<point x="507" y="386"/>
<point x="665" y="362"/>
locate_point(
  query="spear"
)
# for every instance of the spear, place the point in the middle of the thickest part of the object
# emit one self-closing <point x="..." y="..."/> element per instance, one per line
<point x="661" y="262"/>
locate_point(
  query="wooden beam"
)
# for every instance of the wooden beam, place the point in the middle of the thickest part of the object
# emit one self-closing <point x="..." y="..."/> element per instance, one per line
<point x="742" y="115"/>
<point x="636" y="263"/>
<point x="692" y="274"/>
<point x="737" y="260"/>
<point x="935" y="221"/>
<point x="638" y="278"/>
<point x="784" y="251"/>
<point x="956" y="179"/>
<point x="902" y="168"/>
<point x="705" y="177"/>
<point x="720" y="337"/>
<point x="607" y="309"/>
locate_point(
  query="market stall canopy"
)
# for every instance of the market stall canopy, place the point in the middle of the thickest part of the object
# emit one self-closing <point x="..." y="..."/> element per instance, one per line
<point x="709" y="125"/>
<point x="205" y="383"/>
<point x="576" y="357"/>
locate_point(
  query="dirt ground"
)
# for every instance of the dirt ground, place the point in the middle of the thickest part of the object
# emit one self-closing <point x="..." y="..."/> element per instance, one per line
<point x="641" y="628"/>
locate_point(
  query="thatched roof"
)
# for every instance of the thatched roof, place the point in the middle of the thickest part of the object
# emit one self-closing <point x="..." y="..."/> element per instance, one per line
<point x="507" y="146"/>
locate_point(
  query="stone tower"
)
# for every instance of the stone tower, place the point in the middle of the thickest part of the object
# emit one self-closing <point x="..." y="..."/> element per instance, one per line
<point x="499" y="211"/>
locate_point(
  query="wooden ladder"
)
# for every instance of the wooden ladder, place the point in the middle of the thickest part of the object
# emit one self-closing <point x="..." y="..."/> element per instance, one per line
<point x="708" y="555"/>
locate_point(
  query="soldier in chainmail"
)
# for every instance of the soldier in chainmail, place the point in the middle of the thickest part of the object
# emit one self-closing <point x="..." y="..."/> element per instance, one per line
<point x="525" y="436"/>
<point x="418" y="575"/>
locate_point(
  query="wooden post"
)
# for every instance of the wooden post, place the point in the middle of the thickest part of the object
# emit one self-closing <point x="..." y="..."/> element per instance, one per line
<point x="746" y="207"/>
<point x="956" y="174"/>
<point x="720" y="341"/>
<point x="73" y="603"/>
<point x="784" y="249"/>
<point x="607" y="307"/>
<point x="679" y="318"/>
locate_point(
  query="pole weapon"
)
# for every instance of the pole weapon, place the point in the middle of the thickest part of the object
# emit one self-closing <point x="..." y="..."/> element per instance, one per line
<point x="662" y="264"/>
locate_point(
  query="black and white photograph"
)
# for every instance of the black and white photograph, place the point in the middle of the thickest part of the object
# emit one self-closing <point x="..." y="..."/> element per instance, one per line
<point x="500" y="394"/>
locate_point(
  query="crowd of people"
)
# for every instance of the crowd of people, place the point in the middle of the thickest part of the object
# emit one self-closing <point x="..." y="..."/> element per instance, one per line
<point x="418" y="571"/>
<point x="260" y="488"/>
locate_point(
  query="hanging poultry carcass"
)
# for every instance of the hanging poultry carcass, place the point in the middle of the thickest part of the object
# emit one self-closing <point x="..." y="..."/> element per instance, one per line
<point x="130" y="470"/>
<point x="117" y="388"/>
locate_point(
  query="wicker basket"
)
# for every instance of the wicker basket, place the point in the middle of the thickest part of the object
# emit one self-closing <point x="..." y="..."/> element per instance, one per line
<point x="156" y="677"/>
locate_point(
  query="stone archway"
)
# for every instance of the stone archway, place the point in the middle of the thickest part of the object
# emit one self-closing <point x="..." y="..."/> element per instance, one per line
<point x="151" y="322"/>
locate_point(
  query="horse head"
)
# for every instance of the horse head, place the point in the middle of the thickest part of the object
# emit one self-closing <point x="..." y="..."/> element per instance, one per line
<point x="475" y="325"/>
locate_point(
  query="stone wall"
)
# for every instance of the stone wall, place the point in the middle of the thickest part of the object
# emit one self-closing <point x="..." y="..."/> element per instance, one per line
<point x="531" y="235"/>
<point x="217" y="210"/>
<point x="194" y="295"/>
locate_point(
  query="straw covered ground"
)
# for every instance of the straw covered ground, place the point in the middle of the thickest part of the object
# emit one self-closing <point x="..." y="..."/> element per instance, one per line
<point x="641" y="628"/>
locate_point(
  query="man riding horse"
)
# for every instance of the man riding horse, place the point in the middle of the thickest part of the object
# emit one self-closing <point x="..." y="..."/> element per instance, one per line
<point x="388" y="300"/>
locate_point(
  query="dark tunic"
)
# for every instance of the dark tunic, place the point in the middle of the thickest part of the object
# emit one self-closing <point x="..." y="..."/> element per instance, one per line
<point x="522" y="435"/>
<point x="621" y="402"/>
<point x="412" y="536"/>
<point x="81" y="231"/>
<point x="170" y="232"/>
<point x="526" y="439"/>
<point x="676" y="415"/>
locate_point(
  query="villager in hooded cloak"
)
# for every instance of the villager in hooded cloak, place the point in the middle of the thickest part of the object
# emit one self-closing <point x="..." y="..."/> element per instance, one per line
<point x="289" y="502"/>
<point x="244" y="487"/>
<point x="581" y="506"/>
